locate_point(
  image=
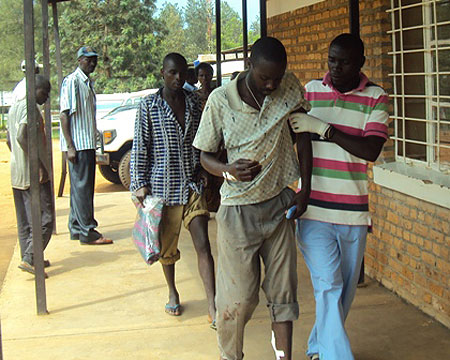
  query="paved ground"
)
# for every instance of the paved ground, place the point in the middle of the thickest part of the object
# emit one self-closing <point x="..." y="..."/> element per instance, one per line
<point x="105" y="303"/>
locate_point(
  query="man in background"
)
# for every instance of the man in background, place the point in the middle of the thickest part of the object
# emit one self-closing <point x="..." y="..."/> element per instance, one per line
<point x="20" y="175"/>
<point x="79" y="140"/>
<point x="20" y="91"/>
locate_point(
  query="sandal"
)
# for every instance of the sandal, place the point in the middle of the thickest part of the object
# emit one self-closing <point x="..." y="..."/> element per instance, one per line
<point x="173" y="310"/>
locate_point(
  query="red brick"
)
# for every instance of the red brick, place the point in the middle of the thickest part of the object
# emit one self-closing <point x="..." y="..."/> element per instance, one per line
<point x="427" y="298"/>
<point x="413" y="250"/>
<point x="428" y="259"/>
<point x="437" y="289"/>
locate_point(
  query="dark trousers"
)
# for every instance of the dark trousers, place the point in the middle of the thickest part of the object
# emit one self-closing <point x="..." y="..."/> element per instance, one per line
<point x="22" y="202"/>
<point x="82" y="180"/>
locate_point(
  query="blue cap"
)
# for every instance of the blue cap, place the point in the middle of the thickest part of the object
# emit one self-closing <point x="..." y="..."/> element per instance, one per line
<point x="86" y="51"/>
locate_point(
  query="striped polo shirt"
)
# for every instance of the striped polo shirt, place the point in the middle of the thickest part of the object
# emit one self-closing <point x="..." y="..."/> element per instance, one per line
<point x="78" y="97"/>
<point x="339" y="182"/>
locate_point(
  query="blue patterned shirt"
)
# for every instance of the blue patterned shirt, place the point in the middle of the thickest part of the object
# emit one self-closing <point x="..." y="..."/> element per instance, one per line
<point x="163" y="158"/>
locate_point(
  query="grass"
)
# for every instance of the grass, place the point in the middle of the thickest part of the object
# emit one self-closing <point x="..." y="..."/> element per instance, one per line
<point x="55" y="133"/>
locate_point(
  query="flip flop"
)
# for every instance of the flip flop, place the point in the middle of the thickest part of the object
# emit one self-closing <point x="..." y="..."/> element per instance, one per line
<point x="173" y="310"/>
<point x="213" y="325"/>
<point x="24" y="266"/>
<point x="100" y="241"/>
<point x="315" y="357"/>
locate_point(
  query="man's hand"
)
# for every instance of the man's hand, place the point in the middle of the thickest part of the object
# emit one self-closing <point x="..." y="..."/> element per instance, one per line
<point x="43" y="175"/>
<point x="72" y="154"/>
<point x="300" y="201"/>
<point x="244" y="169"/>
<point x="141" y="194"/>
<point x="306" y="123"/>
<point x="204" y="177"/>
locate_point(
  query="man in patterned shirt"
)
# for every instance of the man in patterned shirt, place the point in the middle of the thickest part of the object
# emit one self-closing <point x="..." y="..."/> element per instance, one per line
<point x="250" y="116"/>
<point x="79" y="130"/>
<point x="165" y="165"/>
<point x="350" y="115"/>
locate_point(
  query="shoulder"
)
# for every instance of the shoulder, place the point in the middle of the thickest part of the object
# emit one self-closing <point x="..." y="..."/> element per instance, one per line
<point x="315" y="84"/>
<point x="150" y="101"/>
<point x="218" y="96"/>
<point x="374" y="90"/>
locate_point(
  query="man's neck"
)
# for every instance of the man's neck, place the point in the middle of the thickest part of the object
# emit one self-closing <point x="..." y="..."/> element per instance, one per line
<point x="171" y="95"/>
<point x="351" y="85"/>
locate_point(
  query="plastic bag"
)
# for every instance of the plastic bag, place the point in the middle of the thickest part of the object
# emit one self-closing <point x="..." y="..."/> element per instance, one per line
<point x="145" y="232"/>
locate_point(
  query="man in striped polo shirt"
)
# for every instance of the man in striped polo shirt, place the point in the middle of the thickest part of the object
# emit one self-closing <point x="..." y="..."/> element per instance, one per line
<point x="348" y="120"/>
<point x="79" y="129"/>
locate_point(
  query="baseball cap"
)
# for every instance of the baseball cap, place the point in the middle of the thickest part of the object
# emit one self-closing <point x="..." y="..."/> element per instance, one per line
<point x="86" y="51"/>
<point x="23" y="65"/>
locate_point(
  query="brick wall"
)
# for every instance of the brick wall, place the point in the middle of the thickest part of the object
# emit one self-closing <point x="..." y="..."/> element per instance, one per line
<point x="408" y="251"/>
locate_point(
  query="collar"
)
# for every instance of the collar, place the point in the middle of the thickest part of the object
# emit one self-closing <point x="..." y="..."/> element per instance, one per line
<point x="363" y="81"/>
<point x="82" y="75"/>
<point x="158" y="100"/>
<point x="234" y="99"/>
<point x="231" y="90"/>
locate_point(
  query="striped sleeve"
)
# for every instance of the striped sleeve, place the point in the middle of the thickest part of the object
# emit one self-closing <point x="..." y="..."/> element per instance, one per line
<point x="140" y="157"/>
<point x="68" y="95"/>
<point x="377" y="122"/>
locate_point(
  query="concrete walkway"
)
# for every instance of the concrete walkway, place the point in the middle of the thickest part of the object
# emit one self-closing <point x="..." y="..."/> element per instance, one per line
<point x="104" y="302"/>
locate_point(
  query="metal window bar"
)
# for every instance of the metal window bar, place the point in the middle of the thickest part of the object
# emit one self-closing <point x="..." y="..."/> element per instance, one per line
<point x="434" y="101"/>
<point x="415" y="27"/>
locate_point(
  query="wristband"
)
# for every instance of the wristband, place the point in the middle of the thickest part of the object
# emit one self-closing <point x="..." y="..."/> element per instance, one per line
<point x="227" y="176"/>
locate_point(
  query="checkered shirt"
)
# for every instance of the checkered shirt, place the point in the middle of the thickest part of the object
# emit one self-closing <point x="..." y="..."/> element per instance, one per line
<point x="163" y="158"/>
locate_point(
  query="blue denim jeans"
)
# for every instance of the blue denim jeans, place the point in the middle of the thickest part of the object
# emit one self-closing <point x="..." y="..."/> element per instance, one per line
<point x="333" y="254"/>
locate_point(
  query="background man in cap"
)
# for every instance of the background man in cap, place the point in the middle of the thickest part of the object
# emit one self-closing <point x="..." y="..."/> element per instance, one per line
<point x="20" y="91"/>
<point x="78" y="125"/>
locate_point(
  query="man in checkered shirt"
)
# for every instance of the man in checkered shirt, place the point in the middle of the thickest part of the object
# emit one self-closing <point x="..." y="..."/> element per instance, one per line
<point x="165" y="165"/>
<point x="250" y="116"/>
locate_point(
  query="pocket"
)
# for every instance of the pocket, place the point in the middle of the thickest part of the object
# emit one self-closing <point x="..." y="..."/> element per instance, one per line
<point x="287" y="196"/>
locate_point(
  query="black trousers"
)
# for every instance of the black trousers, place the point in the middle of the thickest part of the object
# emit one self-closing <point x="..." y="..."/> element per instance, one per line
<point x="82" y="181"/>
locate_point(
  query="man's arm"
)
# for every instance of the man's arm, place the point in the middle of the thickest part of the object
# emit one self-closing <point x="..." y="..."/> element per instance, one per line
<point x="304" y="154"/>
<point x="240" y="170"/>
<point x="8" y="140"/>
<point x="364" y="147"/>
<point x="140" y="167"/>
<point x="22" y="139"/>
<point x="67" y="133"/>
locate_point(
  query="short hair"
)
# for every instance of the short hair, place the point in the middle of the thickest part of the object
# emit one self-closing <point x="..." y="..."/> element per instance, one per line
<point x="349" y="42"/>
<point x="205" y="66"/>
<point x="269" y="49"/>
<point x="175" y="57"/>
<point x="41" y="82"/>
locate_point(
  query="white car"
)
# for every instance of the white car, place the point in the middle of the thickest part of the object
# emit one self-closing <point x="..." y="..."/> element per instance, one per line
<point x="117" y="128"/>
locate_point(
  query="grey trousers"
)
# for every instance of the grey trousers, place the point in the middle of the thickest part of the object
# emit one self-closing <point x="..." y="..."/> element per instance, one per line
<point x="247" y="234"/>
<point x="82" y="181"/>
<point x="22" y="202"/>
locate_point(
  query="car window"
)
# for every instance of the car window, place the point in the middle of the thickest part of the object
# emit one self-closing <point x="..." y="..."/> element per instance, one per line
<point x="123" y="108"/>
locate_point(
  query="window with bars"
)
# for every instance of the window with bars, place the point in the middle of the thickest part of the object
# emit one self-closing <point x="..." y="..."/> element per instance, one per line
<point x="421" y="81"/>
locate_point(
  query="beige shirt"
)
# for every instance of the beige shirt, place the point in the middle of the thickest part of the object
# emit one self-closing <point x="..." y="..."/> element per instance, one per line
<point x="247" y="133"/>
<point x="20" y="167"/>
